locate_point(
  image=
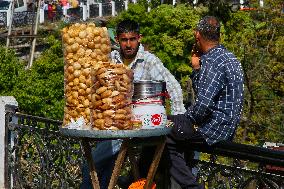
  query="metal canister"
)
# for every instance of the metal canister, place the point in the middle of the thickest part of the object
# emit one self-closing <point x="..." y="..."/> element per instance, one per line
<point x="148" y="104"/>
<point x="149" y="89"/>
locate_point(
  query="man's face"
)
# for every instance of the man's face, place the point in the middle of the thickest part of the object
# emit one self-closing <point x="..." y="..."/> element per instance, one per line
<point x="197" y="40"/>
<point x="129" y="44"/>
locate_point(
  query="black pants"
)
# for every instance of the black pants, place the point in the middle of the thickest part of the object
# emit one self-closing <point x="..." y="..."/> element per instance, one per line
<point x="162" y="178"/>
<point x="179" y="153"/>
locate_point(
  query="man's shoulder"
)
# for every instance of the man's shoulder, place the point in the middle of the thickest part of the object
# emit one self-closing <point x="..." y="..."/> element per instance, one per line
<point x="148" y="56"/>
<point x="223" y="51"/>
<point x="114" y="53"/>
<point x="221" y="54"/>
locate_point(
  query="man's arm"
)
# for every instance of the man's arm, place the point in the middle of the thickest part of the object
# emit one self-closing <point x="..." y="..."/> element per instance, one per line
<point x="194" y="78"/>
<point x="160" y="72"/>
<point x="210" y="83"/>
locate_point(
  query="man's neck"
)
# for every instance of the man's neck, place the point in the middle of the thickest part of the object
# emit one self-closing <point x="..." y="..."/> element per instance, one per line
<point x="127" y="61"/>
<point x="209" y="45"/>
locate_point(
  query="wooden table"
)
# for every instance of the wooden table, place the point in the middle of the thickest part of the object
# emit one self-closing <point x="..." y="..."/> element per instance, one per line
<point x="131" y="138"/>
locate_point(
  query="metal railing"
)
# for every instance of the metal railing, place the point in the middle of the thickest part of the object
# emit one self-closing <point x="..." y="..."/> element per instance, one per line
<point x="23" y="18"/>
<point x="3" y="19"/>
<point x="39" y="157"/>
<point x="94" y="10"/>
<point x="89" y="10"/>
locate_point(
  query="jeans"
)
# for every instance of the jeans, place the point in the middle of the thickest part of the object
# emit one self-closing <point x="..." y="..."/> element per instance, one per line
<point x="104" y="156"/>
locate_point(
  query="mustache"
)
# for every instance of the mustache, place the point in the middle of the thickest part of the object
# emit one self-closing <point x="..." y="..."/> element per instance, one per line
<point x="128" y="48"/>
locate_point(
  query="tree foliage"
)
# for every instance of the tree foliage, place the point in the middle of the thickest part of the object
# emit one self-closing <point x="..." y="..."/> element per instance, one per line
<point x="10" y="70"/>
<point x="39" y="91"/>
<point x="253" y="36"/>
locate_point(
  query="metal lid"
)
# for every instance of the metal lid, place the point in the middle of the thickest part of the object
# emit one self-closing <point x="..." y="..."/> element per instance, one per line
<point x="148" y="88"/>
<point x="149" y="81"/>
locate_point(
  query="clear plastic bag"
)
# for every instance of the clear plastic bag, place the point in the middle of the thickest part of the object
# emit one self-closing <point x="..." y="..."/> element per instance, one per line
<point x="84" y="46"/>
<point x="112" y="97"/>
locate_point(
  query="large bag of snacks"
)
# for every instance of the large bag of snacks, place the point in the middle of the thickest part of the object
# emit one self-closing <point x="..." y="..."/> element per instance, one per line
<point x="112" y="96"/>
<point x="84" y="46"/>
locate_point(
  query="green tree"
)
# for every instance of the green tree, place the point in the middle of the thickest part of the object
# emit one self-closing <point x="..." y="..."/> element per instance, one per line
<point x="40" y="90"/>
<point x="255" y="37"/>
<point x="10" y="70"/>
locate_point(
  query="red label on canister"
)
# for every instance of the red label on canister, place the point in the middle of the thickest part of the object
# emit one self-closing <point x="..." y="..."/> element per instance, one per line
<point x="156" y="119"/>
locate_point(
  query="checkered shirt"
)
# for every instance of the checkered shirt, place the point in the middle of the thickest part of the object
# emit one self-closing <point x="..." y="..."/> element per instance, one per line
<point x="147" y="66"/>
<point x="219" y="95"/>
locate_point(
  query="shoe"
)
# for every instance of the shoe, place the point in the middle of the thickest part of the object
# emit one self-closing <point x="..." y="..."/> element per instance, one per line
<point x="124" y="181"/>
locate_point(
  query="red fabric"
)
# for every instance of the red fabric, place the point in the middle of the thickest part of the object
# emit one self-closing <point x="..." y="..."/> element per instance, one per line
<point x="50" y="12"/>
<point x="64" y="2"/>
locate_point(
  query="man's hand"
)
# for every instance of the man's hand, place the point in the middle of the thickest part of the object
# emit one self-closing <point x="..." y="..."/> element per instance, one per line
<point x="195" y="58"/>
<point x="195" y="62"/>
<point x="182" y="128"/>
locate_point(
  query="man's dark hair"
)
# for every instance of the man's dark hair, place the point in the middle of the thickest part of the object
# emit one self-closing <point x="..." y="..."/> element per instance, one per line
<point x="127" y="26"/>
<point x="209" y="28"/>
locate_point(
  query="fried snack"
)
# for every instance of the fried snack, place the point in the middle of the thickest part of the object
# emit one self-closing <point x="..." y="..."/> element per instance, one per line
<point x="84" y="47"/>
<point x="112" y="92"/>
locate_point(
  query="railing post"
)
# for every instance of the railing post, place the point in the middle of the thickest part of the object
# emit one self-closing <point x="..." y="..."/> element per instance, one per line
<point x="241" y="4"/>
<point x="88" y="9"/>
<point x="261" y="3"/>
<point x="84" y="12"/>
<point x="100" y="9"/>
<point x="112" y="8"/>
<point x="126" y="4"/>
<point x="41" y="16"/>
<point x="5" y="101"/>
<point x="10" y="22"/>
<point x="65" y="11"/>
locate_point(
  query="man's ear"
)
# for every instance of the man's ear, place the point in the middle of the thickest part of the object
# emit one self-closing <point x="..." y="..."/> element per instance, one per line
<point x="197" y="36"/>
<point x="139" y="38"/>
<point x="116" y="39"/>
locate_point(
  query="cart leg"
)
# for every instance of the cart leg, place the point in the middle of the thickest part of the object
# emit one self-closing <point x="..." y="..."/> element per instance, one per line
<point x="134" y="166"/>
<point x="118" y="164"/>
<point x="154" y="165"/>
<point x="88" y="155"/>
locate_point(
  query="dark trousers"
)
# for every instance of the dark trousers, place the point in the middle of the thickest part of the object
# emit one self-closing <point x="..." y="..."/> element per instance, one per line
<point x="162" y="178"/>
<point x="104" y="171"/>
<point x="179" y="153"/>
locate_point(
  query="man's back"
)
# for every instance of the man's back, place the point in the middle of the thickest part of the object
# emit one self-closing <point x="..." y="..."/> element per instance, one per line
<point x="219" y="94"/>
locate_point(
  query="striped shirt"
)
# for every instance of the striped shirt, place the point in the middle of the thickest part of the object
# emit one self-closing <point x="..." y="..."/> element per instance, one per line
<point x="147" y="66"/>
<point x="219" y="95"/>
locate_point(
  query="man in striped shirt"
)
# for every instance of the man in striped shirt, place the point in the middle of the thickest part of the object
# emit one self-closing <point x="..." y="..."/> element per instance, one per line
<point x="218" y="84"/>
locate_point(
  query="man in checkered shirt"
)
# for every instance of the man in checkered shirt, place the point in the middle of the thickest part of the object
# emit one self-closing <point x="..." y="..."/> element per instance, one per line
<point x="218" y="83"/>
<point x="145" y="66"/>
